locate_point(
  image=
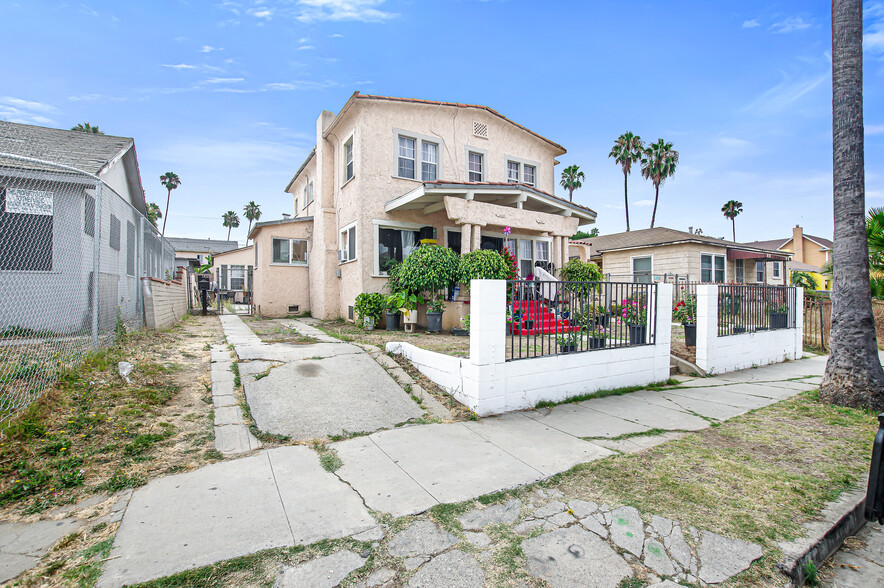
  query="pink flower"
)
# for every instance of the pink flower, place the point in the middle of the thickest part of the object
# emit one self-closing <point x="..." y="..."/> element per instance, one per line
<point x="507" y="230"/>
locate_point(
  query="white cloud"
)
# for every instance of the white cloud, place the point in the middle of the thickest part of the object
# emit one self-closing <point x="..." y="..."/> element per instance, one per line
<point x="784" y="95"/>
<point x="733" y="142"/>
<point x="27" y="104"/>
<point x="874" y="129"/>
<point x="301" y="85"/>
<point x="341" y="10"/>
<point x="873" y="39"/>
<point x="95" y="97"/>
<point x="306" y="47"/>
<point x="209" y="49"/>
<point x="303" y="40"/>
<point x="25" y="111"/>
<point x="88" y="10"/>
<point x="751" y="24"/>
<point x="336" y="36"/>
<point x="222" y="81"/>
<point x="264" y="13"/>
<point x="789" y="25"/>
<point x="643" y="203"/>
<point x="179" y="66"/>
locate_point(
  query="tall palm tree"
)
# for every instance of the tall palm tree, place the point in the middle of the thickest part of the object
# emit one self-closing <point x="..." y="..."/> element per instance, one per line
<point x="658" y="163"/>
<point x="627" y="150"/>
<point x="853" y="373"/>
<point x="153" y="213"/>
<point x="87" y="128"/>
<point x="572" y="179"/>
<point x="230" y="220"/>
<point x="731" y="209"/>
<point x="252" y="212"/>
<point x="170" y="181"/>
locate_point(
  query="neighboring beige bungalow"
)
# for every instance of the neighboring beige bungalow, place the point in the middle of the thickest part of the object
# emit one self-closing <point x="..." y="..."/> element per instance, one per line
<point x="194" y="252"/>
<point x="661" y="254"/>
<point x="233" y="272"/>
<point x="388" y="173"/>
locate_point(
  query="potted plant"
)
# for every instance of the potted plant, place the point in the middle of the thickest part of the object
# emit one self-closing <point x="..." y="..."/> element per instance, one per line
<point x="685" y="312"/>
<point x="482" y="264"/>
<point x="779" y="315"/>
<point x="391" y="314"/>
<point x="598" y="337"/>
<point x="429" y="269"/>
<point x="368" y="309"/>
<point x="634" y="312"/>
<point x="462" y="332"/>
<point x="568" y="342"/>
<point x="406" y="303"/>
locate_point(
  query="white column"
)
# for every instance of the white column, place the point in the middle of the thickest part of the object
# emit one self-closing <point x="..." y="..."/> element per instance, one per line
<point x="663" y="332"/>
<point x="555" y="254"/>
<point x="466" y="238"/>
<point x="483" y="374"/>
<point x="564" y="250"/>
<point x="799" y="323"/>
<point x="477" y="239"/>
<point x="707" y="326"/>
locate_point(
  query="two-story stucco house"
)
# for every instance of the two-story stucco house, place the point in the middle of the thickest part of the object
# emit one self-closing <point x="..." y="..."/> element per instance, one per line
<point x="388" y="173"/>
<point x="810" y="254"/>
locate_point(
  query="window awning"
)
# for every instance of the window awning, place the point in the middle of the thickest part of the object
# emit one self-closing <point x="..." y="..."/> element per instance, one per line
<point x="757" y="255"/>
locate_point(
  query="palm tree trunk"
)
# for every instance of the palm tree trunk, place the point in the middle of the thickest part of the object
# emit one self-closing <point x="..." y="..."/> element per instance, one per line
<point x="570" y="194"/>
<point x="229" y="228"/>
<point x="626" y="200"/>
<point x="853" y="373"/>
<point x="166" y="216"/>
<point x="249" y="232"/>
<point x="734" y="227"/>
<point x="656" y="198"/>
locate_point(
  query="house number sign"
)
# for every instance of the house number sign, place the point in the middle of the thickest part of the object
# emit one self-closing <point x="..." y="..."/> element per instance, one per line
<point x="20" y="201"/>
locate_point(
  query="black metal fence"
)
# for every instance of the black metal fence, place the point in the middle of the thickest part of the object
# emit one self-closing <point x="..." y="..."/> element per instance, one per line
<point x="684" y="302"/>
<point x="749" y="309"/>
<point x="554" y="318"/>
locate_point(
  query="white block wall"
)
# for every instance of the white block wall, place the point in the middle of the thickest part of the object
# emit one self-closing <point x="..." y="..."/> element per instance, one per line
<point x="717" y="355"/>
<point x="488" y="384"/>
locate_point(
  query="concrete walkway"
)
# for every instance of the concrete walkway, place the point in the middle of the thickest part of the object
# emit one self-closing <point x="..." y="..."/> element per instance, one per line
<point x="860" y="562"/>
<point x="283" y="497"/>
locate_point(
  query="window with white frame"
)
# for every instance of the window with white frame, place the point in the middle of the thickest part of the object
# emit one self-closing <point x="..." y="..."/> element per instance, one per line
<point x="234" y="277"/>
<point x="642" y="268"/>
<point x="296" y="206"/>
<point x="759" y="271"/>
<point x="541" y="251"/>
<point x="429" y="161"/>
<point x="476" y="166"/>
<point x="309" y="193"/>
<point x="776" y="269"/>
<point x="712" y="268"/>
<point x="347" y="250"/>
<point x="406" y="157"/>
<point x="305" y="197"/>
<point x="528" y="174"/>
<point x="526" y="258"/>
<point x="289" y="251"/>
<point x="237" y="277"/>
<point x="512" y="172"/>
<point x="394" y="245"/>
<point x="348" y="160"/>
<point x="740" y="271"/>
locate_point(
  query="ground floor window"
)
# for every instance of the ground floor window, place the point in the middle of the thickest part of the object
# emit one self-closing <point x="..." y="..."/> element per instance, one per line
<point x="712" y="268"/>
<point x="759" y="271"/>
<point x="776" y="269"/>
<point x="235" y="277"/>
<point x="347" y="251"/>
<point x="394" y="245"/>
<point x="642" y="268"/>
<point x="739" y="270"/>
<point x="289" y="251"/>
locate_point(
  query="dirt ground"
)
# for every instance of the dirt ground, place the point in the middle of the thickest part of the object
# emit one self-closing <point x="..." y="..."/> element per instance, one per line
<point x="93" y="435"/>
<point x="440" y="342"/>
<point x="678" y="347"/>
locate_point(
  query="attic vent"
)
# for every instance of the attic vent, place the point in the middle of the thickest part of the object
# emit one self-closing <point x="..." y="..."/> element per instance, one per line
<point x="294" y="308"/>
<point x="480" y="129"/>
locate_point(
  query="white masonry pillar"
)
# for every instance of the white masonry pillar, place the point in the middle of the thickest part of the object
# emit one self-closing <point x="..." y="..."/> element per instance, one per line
<point x="477" y="237"/>
<point x="466" y="238"/>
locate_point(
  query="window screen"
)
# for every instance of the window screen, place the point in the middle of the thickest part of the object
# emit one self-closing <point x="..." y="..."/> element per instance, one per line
<point x="641" y="269"/>
<point x="89" y="221"/>
<point x="115" y="233"/>
<point x="130" y="249"/>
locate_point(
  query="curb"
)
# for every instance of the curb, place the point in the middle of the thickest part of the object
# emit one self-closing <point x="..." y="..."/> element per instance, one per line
<point x="841" y="519"/>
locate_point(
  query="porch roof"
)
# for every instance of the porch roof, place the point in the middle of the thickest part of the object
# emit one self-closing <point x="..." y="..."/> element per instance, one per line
<point x="429" y="198"/>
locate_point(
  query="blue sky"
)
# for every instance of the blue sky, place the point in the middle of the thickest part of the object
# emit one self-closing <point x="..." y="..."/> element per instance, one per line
<point x="226" y="93"/>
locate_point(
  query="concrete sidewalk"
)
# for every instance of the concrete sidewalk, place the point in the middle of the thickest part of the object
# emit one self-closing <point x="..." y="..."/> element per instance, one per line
<point x="283" y="497"/>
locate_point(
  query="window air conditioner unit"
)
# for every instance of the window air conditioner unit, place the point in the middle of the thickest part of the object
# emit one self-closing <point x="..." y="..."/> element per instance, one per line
<point x="342" y="255"/>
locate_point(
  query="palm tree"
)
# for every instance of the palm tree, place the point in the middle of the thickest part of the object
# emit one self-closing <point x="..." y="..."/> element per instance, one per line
<point x="658" y="163"/>
<point x="853" y="373"/>
<point x="731" y="209"/>
<point x="170" y="181"/>
<point x="252" y="212"/>
<point x="875" y="238"/>
<point x="230" y="220"/>
<point x="87" y="128"/>
<point x="572" y="179"/>
<point x="804" y="280"/>
<point x="627" y="150"/>
<point x="153" y="213"/>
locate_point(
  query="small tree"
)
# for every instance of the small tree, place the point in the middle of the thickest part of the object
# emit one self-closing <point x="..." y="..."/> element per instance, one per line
<point x="804" y="280"/>
<point x="230" y="220"/>
<point x="572" y="179"/>
<point x="430" y="269"/>
<point x="584" y="235"/>
<point x="731" y="209"/>
<point x="87" y="128"/>
<point x="482" y="264"/>
<point x="153" y="213"/>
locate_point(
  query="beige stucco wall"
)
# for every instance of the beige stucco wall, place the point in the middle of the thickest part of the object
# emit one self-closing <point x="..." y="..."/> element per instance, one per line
<point x="374" y="126"/>
<point x="812" y="253"/>
<point x="276" y="287"/>
<point x="243" y="256"/>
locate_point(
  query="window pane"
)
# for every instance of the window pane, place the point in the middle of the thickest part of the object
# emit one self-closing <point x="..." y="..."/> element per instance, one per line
<point x="429" y="152"/>
<point x="512" y="171"/>
<point x="299" y="251"/>
<point x="351" y="243"/>
<point x="406" y="168"/>
<point x="525" y="249"/>
<point x="475" y="168"/>
<point x="130" y="248"/>
<point x="281" y="251"/>
<point x="348" y="159"/>
<point x="719" y="269"/>
<point x="428" y="161"/>
<point x="759" y="271"/>
<point x="705" y="268"/>
<point x="510" y="244"/>
<point x="428" y="172"/>
<point x="526" y="268"/>
<point x="115" y="233"/>
<point x="237" y="277"/>
<point x="310" y="193"/>
<point x="529" y="175"/>
<point x="542" y="250"/>
<point x="406" y="147"/>
<point x="738" y="268"/>
<point x="90" y="216"/>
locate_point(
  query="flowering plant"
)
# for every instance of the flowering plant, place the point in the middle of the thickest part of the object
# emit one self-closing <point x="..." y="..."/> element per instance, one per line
<point x="568" y="338"/>
<point x="633" y="311"/>
<point x="778" y="307"/>
<point x="597" y="332"/>
<point x="685" y="310"/>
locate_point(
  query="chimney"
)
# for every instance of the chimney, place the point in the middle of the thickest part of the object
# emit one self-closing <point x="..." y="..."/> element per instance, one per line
<point x="691" y="230"/>
<point x="798" y="244"/>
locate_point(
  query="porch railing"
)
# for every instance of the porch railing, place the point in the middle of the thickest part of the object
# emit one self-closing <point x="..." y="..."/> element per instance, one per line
<point x="749" y="309"/>
<point x="556" y="318"/>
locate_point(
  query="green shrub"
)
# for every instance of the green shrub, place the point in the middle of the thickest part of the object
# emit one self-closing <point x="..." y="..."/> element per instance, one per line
<point x="429" y="268"/>
<point x="482" y="264"/>
<point x="580" y="271"/>
<point x="369" y="305"/>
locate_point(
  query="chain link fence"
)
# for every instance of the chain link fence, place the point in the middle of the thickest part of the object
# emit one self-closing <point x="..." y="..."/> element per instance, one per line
<point x="72" y="255"/>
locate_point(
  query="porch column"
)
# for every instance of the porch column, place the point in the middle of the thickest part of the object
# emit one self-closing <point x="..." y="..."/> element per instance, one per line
<point x="466" y="238"/>
<point x="556" y="253"/>
<point x="477" y="237"/>
<point x="564" y="250"/>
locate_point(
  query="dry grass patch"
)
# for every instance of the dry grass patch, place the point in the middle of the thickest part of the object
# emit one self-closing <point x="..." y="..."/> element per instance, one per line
<point x="755" y="478"/>
<point x="439" y="342"/>
<point x="272" y="331"/>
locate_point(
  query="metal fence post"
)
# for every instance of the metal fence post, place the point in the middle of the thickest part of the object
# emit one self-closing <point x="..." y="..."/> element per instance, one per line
<point x="96" y="260"/>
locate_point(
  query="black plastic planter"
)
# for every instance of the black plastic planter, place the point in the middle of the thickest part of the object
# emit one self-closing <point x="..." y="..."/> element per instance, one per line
<point x="597" y="342"/>
<point x="392" y="321"/>
<point x="567" y="348"/>
<point x="637" y="334"/>
<point x="690" y="335"/>
<point x="459" y="332"/>
<point x="434" y="322"/>
<point x="779" y="320"/>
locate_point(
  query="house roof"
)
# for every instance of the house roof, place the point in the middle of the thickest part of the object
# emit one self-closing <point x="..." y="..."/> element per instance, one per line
<point x="821" y="241"/>
<point x="797" y="266"/>
<point x="777" y="243"/>
<point x="512" y="185"/>
<point x="88" y="152"/>
<point x="201" y="245"/>
<point x="300" y="169"/>
<point x="283" y="221"/>
<point x="661" y="236"/>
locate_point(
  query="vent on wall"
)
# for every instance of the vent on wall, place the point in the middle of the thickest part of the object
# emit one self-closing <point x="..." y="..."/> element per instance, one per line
<point x="350" y="313"/>
<point x="480" y="129"/>
<point x="294" y="308"/>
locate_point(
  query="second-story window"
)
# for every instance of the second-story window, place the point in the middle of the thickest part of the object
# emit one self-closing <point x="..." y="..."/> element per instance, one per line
<point x="406" y="157"/>
<point x="528" y="173"/>
<point x="476" y="167"/>
<point x="306" y="202"/>
<point x="429" y="161"/>
<point x="512" y="172"/>
<point x="348" y="160"/>
<point x="309" y="192"/>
